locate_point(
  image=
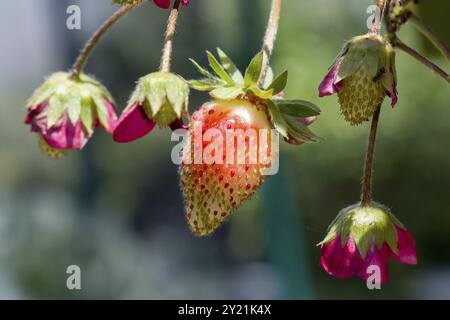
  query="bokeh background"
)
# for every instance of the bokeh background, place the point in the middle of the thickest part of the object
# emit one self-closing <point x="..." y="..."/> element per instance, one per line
<point x="116" y="210"/>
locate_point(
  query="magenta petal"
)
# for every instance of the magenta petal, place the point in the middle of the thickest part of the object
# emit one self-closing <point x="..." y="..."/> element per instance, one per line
<point x="406" y="247"/>
<point x="65" y="135"/>
<point x="178" y="124"/>
<point x="340" y="261"/>
<point x="328" y="86"/>
<point x="33" y="112"/>
<point x="165" y="4"/>
<point x="112" y="117"/>
<point x="393" y="94"/>
<point x="132" y="125"/>
<point x="379" y="258"/>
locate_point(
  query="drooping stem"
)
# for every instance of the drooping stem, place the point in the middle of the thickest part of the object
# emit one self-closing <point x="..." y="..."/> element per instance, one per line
<point x="93" y="41"/>
<point x="427" y="32"/>
<point x="270" y="37"/>
<point x="166" y="58"/>
<point x="427" y="63"/>
<point x="366" y="190"/>
<point x="376" y="28"/>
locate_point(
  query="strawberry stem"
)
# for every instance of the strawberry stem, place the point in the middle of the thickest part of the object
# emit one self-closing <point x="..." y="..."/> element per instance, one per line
<point x="170" y="33"/>
<point x="427" y="63"/>
<point x="366" y="190"/>
<point x="82" y="59"/>
<point x="427" y="32"/>
<point x="270" y="37"/>
<point x="376" y="28"/>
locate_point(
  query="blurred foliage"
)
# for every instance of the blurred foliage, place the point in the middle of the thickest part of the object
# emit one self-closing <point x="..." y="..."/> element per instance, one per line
<point x="116" y="210"/>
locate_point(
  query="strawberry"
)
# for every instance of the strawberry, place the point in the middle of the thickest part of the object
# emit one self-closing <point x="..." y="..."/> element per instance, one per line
<point x="230" y="148"/>
<point x="213" y="191"/>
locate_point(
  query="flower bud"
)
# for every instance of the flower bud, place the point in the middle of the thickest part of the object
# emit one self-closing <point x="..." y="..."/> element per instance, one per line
<point x="361" y="237"/>
<point x="65" y="112"/>
<point x="159" y="98"/>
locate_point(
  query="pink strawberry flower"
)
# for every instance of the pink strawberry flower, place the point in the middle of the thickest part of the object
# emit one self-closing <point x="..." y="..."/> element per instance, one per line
<point x="64" y="113"/>
<point x="165" y="4"/>
<point x="365" y="237"/>
<point x="159" y="98"/>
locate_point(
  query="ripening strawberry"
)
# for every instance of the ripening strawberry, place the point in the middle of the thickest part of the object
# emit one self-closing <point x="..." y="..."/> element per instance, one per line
<point x="215" y="183"/>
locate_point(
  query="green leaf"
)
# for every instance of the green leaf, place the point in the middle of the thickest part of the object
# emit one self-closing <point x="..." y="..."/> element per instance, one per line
<point x="263" y="94"/>
<point x="204" y="84"/>
<point x="350" y="63"/>
<point x="226" y="93"/>
<point x="277" y="119"/>
<point x="202" y="70"/>
<point x="279" y="83"/>
<point x="87" y="114"/>
<point x="101" y="110"/>
<point x="74" y="108"/>
<point x="218" y="69"/>
<point x="56" y="110"/>
<point x="230" y="67"/>
<point x="297" y="108"/>
<point x="254" y="70"/>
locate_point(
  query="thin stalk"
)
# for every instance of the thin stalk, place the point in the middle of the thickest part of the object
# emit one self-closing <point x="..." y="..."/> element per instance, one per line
<point x="270" y="37"/>
<point x="376" y="28"/>
<point x="427" y="63"/>
<point x="166" y="58"/>
<point x="427" y="32"/>
<point x="82" y="59"/>
<point x="366" y="189"/>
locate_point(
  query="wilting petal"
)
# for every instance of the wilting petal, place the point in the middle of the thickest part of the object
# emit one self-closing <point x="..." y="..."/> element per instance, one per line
<point x="112" y="117"/>
<point x="33" y="112"/>
<point x="378" y="258"/>
<point x="340" y="261"/>
<point x="328" y="86"/>
<point x="406" y="247"/>
<point x="165" y="4"/>
<point x="392" y="93"/>
<point x="132" y="125"/>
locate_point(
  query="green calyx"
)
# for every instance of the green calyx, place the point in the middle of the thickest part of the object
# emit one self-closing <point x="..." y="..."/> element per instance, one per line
<point x="373" y="54"/>
<point x="228" y="83"/>
<point x="127" y="2"/>
<point x="368" y="226"/>
<point x="82" y="98"/>
<point x="164" y="96"/>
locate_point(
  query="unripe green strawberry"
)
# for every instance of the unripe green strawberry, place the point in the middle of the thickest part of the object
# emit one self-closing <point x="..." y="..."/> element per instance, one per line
<point x="360" y="96"/>
<point x="213" y="190"/>
<point x="362" y="75"/>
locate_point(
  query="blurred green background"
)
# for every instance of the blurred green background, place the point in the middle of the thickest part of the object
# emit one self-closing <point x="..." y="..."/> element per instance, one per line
<point x="116" y="210"/>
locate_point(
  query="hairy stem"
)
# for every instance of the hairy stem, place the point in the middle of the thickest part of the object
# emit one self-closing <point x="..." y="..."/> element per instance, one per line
<point x="166" y="58"/>
<point x="427" y="32"/>
<point x="376" y="28"/>
<point x="270" y="37"/>
<point x="427" y="63"/>
<point x="82" y="59"/>
<point x="366" y="190"/>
